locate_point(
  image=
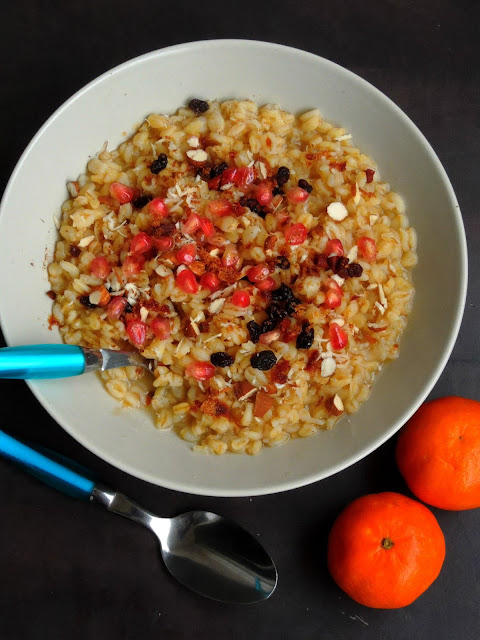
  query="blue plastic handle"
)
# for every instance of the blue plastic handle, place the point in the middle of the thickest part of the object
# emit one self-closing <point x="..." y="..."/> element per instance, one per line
<point x="41" y="361"/>
<point x="53" y="473"/>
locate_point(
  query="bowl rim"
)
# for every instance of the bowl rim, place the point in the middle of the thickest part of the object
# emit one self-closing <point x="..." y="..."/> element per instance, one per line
<point x="286" y="485"/>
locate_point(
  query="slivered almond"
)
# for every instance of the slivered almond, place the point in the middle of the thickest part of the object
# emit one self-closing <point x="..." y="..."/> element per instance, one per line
<point x="84" y="242"/>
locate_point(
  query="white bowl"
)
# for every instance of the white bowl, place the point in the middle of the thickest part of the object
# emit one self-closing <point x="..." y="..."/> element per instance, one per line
<point x="161" y="81"/>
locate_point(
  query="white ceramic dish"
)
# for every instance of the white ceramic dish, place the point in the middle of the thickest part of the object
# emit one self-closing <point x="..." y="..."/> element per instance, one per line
<point x="159" y="82"/>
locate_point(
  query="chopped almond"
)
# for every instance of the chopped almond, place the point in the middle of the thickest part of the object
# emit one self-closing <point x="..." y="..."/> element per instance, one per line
<point x="240" y="389"/>
<point x="280" y="372"/>
<point x="198" y="267"/>
<point x="263" y="403"/>
<point x="197" y="157"/>
<point x="334" y="405"/>
<point x="99" y="296"/>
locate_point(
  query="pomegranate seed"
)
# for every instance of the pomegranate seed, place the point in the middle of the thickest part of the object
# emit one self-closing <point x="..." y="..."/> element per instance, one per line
<point x="335" y="248"/>
<point x="133" y="265"/>
<point x="116" y="307"/>
<point x="367" y="248"/>
<point x="338" y="337"/>
<point x="241" y="299"/>
<point x="186" y="281"/>
<point x="214" y="183"/>
<point x="244" y="177"/>
<point x="220" y="207"/>
<point x="121" y="192"/>
<point x="230" y="256"/>
<point x="157" y="208"/>
<point x="258" y="273"/>
<point x="210" y="281"/>
<point x="161" y="328"/>
<point x="228" y="175"/>
<point x="297" y="194"/>
<point x="207" y="227"/>
<point x="187" y="253"/>
<point x="191" y="224"/>
<point x="141" y="243"/>
<point x="200" y="370"/>
<point x="163" y="243"/>
<point x="100" y="267"/>
<point x="267" y="285"/>
<point x="332" y="299"/>
<point x="137" y="332"/>
<point x="270" y="336"/>
<point x="296" y="234"/>
<point x="334" y="295"/>
<point x="263" y="194"/>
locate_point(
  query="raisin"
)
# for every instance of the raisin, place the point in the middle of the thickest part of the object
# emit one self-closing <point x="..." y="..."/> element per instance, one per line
<point x="282" y="262"/>
<point x="305" y="337"/>
<point x="264" y="360"/>
<point x="255" y="330"/>
<point x="276" y="312"/>
<point x="85" y="300"/>
<point x="369" y="174"/>
<point x="290" y="306"/>
<point x="354" y="270"/>
<point x="320" y="260"/>
<point x="159" y="164"/>
<point x="140" y="202"/>
<point x="128" y="308"/>
<point x="283" y="293"/>
<point x="52" y="295"/>
<point x="283" y="176"/>
<point x="253" y="205"/>
<point x="203" y="171"/>
<point x="167" y="228"/>
<point x="332" y="262"/>
<point x="218" y="170"/>
<point x="303" y="184"/>
<point x="338" y="264"/>
<point x="74" y="250"/>
<point x="278" y="192"/>
<point x="221" y="359"/>
<point x="198" y="106"/>
<point x="268" y="325"/>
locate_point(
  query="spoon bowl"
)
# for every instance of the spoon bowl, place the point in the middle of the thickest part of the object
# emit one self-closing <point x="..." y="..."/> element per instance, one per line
<point x="205" y="552"/>
<point x="215" y="557"/>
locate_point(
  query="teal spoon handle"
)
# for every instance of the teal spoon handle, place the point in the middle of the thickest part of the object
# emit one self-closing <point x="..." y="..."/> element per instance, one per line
<point x="57" y="475"/>
<point x="41" y="361"/>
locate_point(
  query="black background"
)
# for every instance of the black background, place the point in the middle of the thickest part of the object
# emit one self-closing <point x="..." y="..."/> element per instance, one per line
<point x="71" y="570"/>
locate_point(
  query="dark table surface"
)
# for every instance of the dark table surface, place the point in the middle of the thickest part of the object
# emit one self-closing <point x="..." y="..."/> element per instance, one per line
<point x="71" y="570"/>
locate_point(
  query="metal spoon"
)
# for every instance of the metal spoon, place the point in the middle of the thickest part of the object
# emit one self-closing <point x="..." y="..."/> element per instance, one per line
<point x="204" y="551"/>
<point x="38" y="361"/>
